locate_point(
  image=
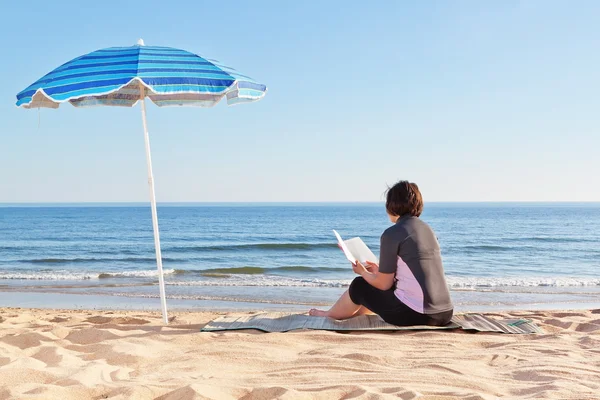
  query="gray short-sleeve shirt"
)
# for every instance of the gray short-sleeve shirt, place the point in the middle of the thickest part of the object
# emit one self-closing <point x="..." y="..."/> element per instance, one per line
<point x="411" y="250"/>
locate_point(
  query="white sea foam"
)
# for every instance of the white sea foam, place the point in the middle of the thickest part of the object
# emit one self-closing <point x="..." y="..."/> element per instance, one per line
<point x="219" y="298"/>
<point x="453" y="282"/>
<point x="264" y="281"/>
<point x="281" y="281"/>
<point x="136" y="274"/>
<point x="49" y="276"/>
<point x="64" y="275"/>
<point x="493" y="282"/>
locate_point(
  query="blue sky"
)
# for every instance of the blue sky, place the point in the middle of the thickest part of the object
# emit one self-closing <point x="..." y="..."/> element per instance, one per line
<point x="474" y="101"/>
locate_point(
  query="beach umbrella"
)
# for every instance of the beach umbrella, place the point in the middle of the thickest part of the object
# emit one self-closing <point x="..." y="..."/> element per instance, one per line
<point x="124" y="76"/>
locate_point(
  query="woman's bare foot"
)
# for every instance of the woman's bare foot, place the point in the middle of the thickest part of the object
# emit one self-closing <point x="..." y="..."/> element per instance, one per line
<point x="317" y="313"/>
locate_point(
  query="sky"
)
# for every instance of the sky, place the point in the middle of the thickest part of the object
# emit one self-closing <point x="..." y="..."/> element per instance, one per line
<point x="473" y="101"/>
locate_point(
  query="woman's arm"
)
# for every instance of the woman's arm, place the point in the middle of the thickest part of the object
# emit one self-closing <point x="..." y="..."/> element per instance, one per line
<point x="379" y="280"/>
<point x="381" y="276"/>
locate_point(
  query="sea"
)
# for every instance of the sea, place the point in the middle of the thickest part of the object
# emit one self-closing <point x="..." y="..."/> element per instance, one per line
<point x="234" y="256"/>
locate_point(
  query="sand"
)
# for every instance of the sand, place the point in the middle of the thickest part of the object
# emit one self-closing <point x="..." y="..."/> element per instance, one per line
<point x="75" y="354"/>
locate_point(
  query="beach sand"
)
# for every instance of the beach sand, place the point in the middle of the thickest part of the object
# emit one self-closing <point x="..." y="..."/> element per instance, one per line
<point x="90" y="354"/>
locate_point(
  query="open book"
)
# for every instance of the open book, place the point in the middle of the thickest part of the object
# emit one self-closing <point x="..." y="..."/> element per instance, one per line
<point x="355" y="249"/>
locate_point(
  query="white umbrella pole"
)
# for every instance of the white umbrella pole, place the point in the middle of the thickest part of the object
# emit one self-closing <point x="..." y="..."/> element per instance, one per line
<point x="161" y="282"/>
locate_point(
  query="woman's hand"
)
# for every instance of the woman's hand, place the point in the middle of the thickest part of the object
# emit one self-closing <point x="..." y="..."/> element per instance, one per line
<point x="372" y="267"/>
<point x="359" y="269"/>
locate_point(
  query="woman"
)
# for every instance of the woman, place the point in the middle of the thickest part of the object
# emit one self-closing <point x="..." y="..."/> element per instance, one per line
<point x="408" y="287"/>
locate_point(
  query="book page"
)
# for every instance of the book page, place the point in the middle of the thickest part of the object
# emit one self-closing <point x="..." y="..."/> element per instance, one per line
<point x="355" y="249"/>
<point x="360" y="251"/>
<point x="344" y="248"/>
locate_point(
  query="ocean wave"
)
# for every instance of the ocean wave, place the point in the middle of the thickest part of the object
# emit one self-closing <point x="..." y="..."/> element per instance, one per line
<point x="255" y="270"/>
<point x="46" y="275"/>
<point x="134" y="274"/>
<point x="95" y="260"/>
<point x="264" y="281"/>
<point x="453" y="282"/>
<point x="54" y="275"/>
<point x="549" y="239"/>
<point x="486" y="247"/>
<point x="10" y="248"/>
<point x="268" y="277"/>
<point x="494" y="282"/>
<point x="251" y="246"/>
<point x="515" y="245"/>
<point x="224" y="271"/>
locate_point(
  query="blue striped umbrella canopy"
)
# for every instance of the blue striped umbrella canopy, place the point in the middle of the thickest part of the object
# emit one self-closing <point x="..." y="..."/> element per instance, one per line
<point x="121" y="76"/>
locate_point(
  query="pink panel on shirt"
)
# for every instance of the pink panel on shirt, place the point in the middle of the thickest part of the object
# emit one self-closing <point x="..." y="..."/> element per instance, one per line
<point x="408" y="289"/>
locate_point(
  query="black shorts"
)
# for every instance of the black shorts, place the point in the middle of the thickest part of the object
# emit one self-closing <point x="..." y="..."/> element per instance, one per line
<point x="385" y="304"/>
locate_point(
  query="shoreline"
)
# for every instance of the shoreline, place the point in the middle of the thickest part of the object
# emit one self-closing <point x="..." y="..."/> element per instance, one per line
<point x="115" y="302"/>
<point x="84" y="354"/>
<point x="213" y="313"/>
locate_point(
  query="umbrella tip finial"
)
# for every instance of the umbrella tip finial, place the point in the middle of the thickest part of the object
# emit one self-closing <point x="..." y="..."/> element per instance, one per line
<point x="140" y="42"/>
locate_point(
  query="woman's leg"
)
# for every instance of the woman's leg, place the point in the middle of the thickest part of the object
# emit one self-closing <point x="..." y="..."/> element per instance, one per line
<point x="364" y="311"/>
<point x="344" y="308"/>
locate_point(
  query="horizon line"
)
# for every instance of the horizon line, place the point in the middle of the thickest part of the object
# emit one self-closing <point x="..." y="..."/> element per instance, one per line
<point x="144" y="203"/>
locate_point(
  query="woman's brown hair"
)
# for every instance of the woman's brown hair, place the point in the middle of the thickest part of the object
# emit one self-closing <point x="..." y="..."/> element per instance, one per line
<point x="404" y="198"/>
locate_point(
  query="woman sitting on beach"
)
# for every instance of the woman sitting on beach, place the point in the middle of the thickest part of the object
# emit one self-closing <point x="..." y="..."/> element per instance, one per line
<point x="408" y="286"/>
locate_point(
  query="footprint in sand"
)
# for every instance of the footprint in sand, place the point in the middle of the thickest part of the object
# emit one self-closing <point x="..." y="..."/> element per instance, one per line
<point x="139" y="392"/>
<point x="366" y="358"/>
<point x="49" y="356"/>
<point x="559" y="323"/>
<point x="200" y="391"/>
<point x="531" y="375"/>
<point x="25" y="340"/>
<point x="90" y="336"/>
<point x="588" y="342"/>
<point x="568" y="314"/>
<point x="267" y="393"/>
<point x="500" y="360"/>
<point x="100" y="320"/>
<point x="442" y="368"/>
<point x="401" y="393"/>
<point x="588" y="327"/>
<point x="59" y="319"/>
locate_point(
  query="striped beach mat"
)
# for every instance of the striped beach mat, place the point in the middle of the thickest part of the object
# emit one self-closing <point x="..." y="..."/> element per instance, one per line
<point x="284" y="322"/>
